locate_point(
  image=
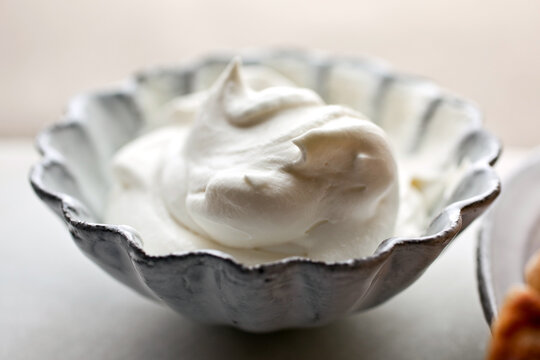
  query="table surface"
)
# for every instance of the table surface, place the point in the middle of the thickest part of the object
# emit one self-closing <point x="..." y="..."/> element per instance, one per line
<point x="55" y="304"/>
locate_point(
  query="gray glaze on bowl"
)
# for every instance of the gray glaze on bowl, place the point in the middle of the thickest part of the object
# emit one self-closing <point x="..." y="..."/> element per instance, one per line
<point x="209" y="286"/>
<point x="509" y="236"/>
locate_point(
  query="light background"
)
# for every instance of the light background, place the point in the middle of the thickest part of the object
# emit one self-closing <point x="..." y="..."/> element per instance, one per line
<point x="488" y="51"/>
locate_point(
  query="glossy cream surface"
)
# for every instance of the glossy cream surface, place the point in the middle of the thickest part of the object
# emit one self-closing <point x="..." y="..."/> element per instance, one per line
<point x="260" y="169"/>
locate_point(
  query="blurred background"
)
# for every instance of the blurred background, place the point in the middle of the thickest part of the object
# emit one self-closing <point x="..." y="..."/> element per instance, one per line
<point x="488" y="51"/>
<point x="55" y="304"/>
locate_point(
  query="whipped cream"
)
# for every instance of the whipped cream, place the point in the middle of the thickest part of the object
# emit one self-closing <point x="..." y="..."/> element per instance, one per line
<point x="260" y="174"/>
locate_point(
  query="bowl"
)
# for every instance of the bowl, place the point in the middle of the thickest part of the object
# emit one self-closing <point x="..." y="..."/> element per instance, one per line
<point x="508" y="238"/>
<point x="209" y="286"/>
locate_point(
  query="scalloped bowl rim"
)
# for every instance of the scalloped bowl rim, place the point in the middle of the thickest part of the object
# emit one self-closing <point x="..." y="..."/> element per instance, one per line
<point x="454" y="210"/>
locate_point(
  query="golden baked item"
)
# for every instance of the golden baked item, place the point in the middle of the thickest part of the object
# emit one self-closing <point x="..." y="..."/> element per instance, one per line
<point x="516" y="332"/>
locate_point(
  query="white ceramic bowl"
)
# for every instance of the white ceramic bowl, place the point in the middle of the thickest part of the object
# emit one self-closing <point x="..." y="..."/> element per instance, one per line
<point x="208" y="286"/>
<point x="509" y="236"/>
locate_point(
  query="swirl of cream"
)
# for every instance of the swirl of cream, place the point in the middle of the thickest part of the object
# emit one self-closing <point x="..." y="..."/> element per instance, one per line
<point x="279" y="170"/>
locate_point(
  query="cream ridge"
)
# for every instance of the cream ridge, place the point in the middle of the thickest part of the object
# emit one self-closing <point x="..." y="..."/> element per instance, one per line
<point x="259" y="169"/>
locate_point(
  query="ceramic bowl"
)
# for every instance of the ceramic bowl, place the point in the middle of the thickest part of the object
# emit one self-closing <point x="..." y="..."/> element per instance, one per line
<point x="73" y="176"/>
<point x="509" y="236"/>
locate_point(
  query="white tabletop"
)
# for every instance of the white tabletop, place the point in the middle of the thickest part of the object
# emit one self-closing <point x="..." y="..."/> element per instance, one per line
<point x="56" y="304"/>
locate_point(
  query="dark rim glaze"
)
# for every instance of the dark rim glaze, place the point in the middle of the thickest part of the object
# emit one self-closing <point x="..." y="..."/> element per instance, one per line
<point x="483" y="275"/>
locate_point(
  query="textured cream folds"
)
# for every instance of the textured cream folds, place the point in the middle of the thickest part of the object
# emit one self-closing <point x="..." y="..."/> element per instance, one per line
<point x="259" y="169"/>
